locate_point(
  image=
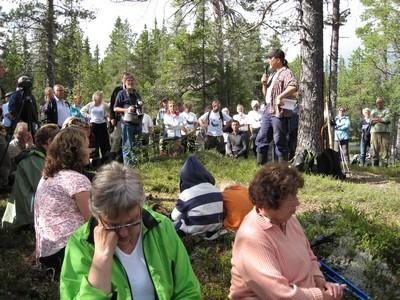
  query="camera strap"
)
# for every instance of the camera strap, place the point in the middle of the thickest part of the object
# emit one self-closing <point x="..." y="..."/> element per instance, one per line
<point x="129" y="96"/>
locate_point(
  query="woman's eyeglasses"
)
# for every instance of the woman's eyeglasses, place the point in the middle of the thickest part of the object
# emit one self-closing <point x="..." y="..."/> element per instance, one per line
<point x="118" y="227"/>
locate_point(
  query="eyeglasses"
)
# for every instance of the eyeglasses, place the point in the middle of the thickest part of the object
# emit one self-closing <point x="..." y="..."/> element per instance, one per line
<point x="118" y="227"/>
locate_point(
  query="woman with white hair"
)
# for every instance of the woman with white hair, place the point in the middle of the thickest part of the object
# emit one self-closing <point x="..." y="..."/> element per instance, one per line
<point x="98" y="113"/>
<point x="254" y="119"/>
<point x="364" y="128"/>
<point x="125" y="251"/>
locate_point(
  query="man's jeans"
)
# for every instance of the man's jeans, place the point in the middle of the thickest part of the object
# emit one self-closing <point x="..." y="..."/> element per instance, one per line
<point x="131" y="143"/>
<point x="364" y="148"/>
<point x="272" y="128"/>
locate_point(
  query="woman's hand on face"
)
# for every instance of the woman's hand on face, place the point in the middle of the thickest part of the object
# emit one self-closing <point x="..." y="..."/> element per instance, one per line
<point x="334" y="289"/>
<point x="105" y="241"/>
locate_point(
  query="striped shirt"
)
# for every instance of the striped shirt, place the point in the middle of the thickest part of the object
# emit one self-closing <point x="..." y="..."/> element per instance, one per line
<point x="199" y="210"/>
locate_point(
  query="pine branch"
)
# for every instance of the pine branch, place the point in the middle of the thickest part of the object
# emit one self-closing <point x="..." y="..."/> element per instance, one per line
<point x="197" y="87"/>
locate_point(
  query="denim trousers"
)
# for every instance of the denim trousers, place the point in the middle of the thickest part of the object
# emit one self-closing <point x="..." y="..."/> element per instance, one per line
<point x="364" y="148"/>
<point x="131" y="143"/>
<point x="272" y="129"/>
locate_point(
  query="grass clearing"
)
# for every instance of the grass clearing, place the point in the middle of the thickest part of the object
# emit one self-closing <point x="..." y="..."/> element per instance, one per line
<point x="362" y="212"/>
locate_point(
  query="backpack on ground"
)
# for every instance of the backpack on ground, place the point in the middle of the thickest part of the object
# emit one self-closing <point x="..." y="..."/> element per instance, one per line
<point x="328" y="163"/>
<point x="304" y="162"/>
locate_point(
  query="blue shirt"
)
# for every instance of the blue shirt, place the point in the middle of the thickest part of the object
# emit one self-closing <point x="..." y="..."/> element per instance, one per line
<point x="342" y="128"/>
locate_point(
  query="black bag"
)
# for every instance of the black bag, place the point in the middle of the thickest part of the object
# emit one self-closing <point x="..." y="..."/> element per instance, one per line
<point x="304" y="162"/>
<point x="328" y="163"/>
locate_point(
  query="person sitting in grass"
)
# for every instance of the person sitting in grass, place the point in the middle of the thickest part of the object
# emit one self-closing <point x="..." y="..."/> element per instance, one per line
<point x="62" y="196"/>
<point x="271" y="256"/>
<point x="22" y="140"/>
<point x="125" y="251"/>
<point x="199" y="209"/>
<point x="237" y="204"/>
<point x="236" y="145"/>
<point x="174" y="124"/>
<point x="19" y="209"/>
<point x="5" y="162"/>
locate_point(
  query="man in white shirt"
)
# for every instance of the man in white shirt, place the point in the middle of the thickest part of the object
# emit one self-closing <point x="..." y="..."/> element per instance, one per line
<point x="190" y="123"/>
<point x="242" y="118"/>
<point x="6" y="120"/>
<point x="254" y="119"/>
<point x="63" y="111"/>
<point x="147" y="127"/>
<point x="213" y="121"/>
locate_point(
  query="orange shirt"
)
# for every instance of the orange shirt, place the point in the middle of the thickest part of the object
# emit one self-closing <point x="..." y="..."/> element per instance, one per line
<point x="236" y="206"/>
<point x="270" y="264"/>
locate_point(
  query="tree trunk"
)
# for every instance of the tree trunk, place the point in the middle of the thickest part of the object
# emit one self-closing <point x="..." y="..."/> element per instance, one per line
<point x="397" y="142"/>
<point x="334" y="55"/>
<point x="220" y="53"/>
<point x="50" y="34"/>
<point x="311" y="78"/>
<point x="203" y="56"/>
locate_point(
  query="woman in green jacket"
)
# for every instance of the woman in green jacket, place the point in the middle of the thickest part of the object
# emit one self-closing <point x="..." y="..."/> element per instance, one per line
<point x="125" y="251"/>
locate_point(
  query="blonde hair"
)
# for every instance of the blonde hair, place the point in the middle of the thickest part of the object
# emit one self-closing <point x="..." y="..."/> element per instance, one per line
<point x="97" y="94"/>
<point x="20" y="129"/>
<point x="227" y="184"/>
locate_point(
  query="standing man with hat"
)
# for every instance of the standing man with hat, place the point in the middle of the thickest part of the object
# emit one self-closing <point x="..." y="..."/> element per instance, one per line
<point x="276" y="86"/>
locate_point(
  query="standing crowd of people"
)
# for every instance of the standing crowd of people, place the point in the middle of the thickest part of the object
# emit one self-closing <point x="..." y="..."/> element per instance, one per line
<point x="373" y="130"/>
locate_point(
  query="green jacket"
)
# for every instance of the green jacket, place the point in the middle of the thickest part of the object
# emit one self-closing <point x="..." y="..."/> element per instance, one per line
<point x="384" y="114"/>
<point x="19" y="210"/>
<point x="166" y="257"/>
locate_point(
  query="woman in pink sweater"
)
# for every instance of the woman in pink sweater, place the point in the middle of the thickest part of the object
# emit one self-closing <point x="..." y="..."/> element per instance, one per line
<point x="271" y="256"/>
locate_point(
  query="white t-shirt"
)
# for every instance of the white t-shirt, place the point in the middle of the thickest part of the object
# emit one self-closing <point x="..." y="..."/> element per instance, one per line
<point x="189" y="120"/>
<point x="215" y="124"/>
<point x="243" y="120"/>
<point x="136" y="270"/>
<point x="254" y="118"/>
<point x="6" y="121"/>
<point x="269" y="90"/>
<point x="97" y="114"/>
<point x="173" y="124"/>
<point x="147" y="123"/>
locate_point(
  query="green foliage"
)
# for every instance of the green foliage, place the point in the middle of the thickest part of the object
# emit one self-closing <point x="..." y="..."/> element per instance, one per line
<point x="13" y="58"/>
<point x="118" y="55"/>
<point x="374" y="70"/>
<point x="357" y="233"/>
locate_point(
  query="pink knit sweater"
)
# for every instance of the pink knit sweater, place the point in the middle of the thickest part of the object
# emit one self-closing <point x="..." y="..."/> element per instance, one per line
<point x="269" y="264"/>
